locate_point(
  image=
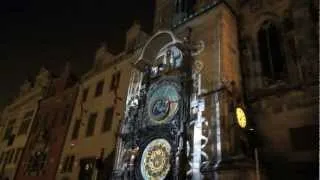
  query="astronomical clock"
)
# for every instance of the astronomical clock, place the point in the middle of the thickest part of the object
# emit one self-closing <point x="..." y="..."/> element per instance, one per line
<point x="169" y="132"/>
<point x="158" y="139"/>
<point x="152" y="137"/>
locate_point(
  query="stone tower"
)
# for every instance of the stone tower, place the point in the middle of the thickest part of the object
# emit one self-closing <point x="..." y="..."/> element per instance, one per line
<point x="188" y="115"/>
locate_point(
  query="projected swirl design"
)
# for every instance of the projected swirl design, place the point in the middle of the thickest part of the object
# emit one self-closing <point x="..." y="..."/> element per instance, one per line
<point x="155" y="160"/>
<point x="163" y="103"/>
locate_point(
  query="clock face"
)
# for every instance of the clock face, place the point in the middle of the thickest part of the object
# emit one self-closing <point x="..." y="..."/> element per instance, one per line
<point x="155" y="160"/>
<point x="241" y="117"/>
<point x="162" y="103"/>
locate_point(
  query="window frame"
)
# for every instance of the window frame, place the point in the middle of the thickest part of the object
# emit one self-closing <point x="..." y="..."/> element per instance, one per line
<point x="115" y="80"/>
<point x="84" y="96"/>
<point x="76" y="129"/>
<point x="91" y="124"/>
<point x="265" y="26"/>
<point x="108" y="119"/>
<point x="99" y="88"/>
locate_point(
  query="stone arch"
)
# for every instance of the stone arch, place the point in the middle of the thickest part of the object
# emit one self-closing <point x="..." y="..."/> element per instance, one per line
<point x="266" y="16"/>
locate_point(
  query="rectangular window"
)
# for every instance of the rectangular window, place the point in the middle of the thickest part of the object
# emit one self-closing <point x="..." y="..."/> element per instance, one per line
<point x="1" y="157"/>
<point x="65" y="117"/>
<point x="65" y="164"/>
<point x="9" y="129"/>
<point x="115" y="80"/>
<point x="24" y="127"/>
<point x="108" y="116"/>
<point x="25" y="123"/>
<point x="299" y="135"/>
<point x="6" y="157"/>
<point x="70" y="165"/>
<point x="91" y="124"/>
<point x="85" y="94"/>
<point x="99" y="88"/>
<point x="55" y="119"/>
<point x="28" y="114"/>
<point x="76" y="128"/>
<point x="11" y="154"/>
<point x="16" y="157"/>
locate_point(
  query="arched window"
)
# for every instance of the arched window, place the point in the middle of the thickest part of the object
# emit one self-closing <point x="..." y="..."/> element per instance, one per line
<point x="270" y="49"/>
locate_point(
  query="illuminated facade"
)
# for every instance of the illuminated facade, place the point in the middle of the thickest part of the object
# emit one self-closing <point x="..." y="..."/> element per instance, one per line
<point x="16" y="121"/>
<point x="220" y="90"/>
<point x="179" y="121"/>
<point x="223" y="90"/>
<point x="89" y="149"/>
<point x="42" y="151"/>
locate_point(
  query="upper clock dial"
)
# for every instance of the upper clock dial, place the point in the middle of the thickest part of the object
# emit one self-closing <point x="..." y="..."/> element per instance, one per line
<point x="162" y="103"/>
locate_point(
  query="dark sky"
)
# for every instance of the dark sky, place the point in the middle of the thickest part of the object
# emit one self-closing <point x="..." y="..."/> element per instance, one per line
<point x="50" y="32"/>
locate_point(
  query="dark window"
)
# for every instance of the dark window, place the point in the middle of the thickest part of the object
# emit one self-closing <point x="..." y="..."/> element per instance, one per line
<point x="24" y="127"/>
<point x="304" y="138"/>
<point x="52" y="90"/>
<point x="272" y="59"/>
<point x="1" y="157"/>
<point x="6" y="157"/>
<point x="65" y="164"/>
<point x="91" y="124"/>
<point x="99" y="88"/>
<point x="26" y="122"/>
<point x="76" y="128"/>
<point x="108" y="116"/>
<point x="115" y="80"/>
<point x="11" y="139"/>
<point x="11" y="156"/>
<point x="70" y="165"/>
<point x="9" y="129"/>
<point x="65" y="117"/>
<point x="85" y="94"/>
<point x="16" y="157"/>
<point x="189" y="6"/>
<point x="55" y="119"/>
<point x="8" y="132"/>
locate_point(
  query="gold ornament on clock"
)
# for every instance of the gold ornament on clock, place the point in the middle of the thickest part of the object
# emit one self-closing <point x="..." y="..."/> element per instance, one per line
<point x="241" y="117"/>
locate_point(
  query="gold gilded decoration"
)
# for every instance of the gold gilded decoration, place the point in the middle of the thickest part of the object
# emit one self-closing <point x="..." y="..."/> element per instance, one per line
<point x="155" y="161"/>
<point x="241" y="117"/>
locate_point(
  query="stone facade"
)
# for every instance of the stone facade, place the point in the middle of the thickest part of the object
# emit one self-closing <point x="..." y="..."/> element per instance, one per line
<point x="90" y="139"/>
<point x="269" y="49"/>
<point x="41" y="155"/>
<point x="285" y="109"/>
<point x="16" y="121"/>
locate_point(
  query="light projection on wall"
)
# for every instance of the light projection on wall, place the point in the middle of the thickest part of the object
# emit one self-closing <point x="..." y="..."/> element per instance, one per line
<point x="163" y="103"/>
<point x="155" y="160"/>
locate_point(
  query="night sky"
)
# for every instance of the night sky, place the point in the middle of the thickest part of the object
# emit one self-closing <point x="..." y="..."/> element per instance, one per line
<point x="36" y="32"/>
